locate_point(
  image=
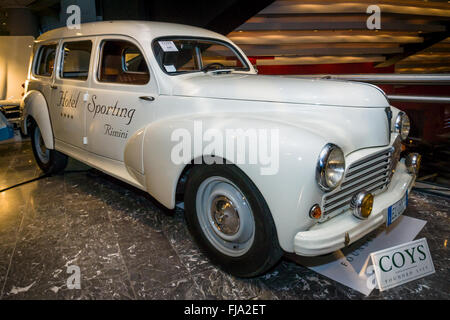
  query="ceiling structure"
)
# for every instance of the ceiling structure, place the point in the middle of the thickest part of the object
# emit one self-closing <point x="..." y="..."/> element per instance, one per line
<point x="221" y="16"/>
<point x="15" y="3"/>
<point x="414" y="34"/>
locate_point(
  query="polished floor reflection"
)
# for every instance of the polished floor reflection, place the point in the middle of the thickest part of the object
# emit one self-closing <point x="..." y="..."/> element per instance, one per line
<point x="128" y="247"/>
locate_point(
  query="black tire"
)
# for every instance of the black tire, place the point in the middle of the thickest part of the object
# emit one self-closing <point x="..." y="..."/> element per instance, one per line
<point x="265" y="250"/>
<point x="56" y="161"/>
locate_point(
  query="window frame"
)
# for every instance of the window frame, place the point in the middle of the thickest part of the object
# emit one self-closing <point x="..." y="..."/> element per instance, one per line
<point x="99" y="61"/>
<point x="36" y="59"/>
<point x="219" y="41"/>
<point x="61" y="59"/>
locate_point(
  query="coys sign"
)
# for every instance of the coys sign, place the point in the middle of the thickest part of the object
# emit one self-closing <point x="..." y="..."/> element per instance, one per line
<point x="402" y="263"/>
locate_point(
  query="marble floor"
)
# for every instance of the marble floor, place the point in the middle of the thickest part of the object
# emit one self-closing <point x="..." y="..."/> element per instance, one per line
<point x="129" y="247"/>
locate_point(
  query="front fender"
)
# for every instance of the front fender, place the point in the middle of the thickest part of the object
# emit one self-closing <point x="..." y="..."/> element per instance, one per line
<point x="287" y="183"/>
<point x="35" y="105"/>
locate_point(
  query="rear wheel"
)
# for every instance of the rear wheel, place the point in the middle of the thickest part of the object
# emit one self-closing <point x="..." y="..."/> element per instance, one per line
<point x="50" y="161"/>
<point x="230" y="220"/>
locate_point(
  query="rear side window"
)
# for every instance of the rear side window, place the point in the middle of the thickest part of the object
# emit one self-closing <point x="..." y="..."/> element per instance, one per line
<point x="122" y="62"/>
<point x="75" y="61"/>
<point x="45" y="60"/>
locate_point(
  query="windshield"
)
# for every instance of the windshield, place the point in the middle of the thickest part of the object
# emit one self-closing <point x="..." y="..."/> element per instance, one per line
<point x="177" y="56"/>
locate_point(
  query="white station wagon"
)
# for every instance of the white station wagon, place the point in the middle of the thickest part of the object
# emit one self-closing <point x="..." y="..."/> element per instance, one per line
<point x="266" y="164"/>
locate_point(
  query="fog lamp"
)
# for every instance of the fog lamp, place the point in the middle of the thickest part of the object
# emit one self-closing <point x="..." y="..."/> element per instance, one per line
<point x="412" y="162"/>
<point x="362" y="204"/>
<point x="315" y="212"/>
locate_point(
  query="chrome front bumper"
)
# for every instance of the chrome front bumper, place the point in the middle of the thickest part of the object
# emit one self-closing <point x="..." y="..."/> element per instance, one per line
<point x="330" y="236"/>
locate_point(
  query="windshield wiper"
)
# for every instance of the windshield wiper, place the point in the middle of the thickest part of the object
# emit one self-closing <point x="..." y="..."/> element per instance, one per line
<point x="220" y="71"/>
<point x="216" y="65"/>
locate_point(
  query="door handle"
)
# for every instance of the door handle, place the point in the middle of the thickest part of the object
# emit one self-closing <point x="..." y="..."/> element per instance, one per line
<point x="53" y="86"/>
<point x="147" y="98"/>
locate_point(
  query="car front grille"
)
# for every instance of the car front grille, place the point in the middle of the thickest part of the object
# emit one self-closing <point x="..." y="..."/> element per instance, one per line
<point x="372" y="174"/>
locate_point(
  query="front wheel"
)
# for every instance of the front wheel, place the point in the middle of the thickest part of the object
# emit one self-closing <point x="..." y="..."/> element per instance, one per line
<point x="50" y="161"/>
<point x="230" y="220"/>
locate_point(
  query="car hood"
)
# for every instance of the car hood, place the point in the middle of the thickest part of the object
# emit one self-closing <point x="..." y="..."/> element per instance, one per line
<point x="280" y="89"/>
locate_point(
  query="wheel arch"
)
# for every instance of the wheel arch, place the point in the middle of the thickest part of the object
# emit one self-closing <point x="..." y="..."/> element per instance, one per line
<point x="34" y="106"/>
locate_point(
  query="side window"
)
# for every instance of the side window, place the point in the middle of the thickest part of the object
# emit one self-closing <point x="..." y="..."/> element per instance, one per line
<point x="45" y="62"/>
<point x="75" y="62"/>
<point x="122" y="62"/>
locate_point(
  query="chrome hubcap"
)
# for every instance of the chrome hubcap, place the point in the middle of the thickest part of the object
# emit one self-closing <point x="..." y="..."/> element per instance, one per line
<point x="225" y="216"/>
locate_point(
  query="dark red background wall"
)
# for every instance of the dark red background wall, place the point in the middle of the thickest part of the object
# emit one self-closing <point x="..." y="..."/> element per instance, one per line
<point x="430" y="121"/>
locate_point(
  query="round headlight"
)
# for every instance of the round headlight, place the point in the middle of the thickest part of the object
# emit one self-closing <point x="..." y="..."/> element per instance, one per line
<point x="402" y="125"/>
<point x="330" y="167"/>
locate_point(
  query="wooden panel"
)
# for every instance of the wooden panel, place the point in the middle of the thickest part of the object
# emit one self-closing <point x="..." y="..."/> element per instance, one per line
<point x="336" y="22"/>
<point x="283" y="7"/>
<point x="292" y="37"/>
<point x="427" y="70"/>
<point x="314" y="49"/>
<point x="326" y="31"/>
<point x="437" y="4"/>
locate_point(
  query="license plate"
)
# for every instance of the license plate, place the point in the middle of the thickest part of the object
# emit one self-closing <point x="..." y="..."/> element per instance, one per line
<point x="397" y="209"/>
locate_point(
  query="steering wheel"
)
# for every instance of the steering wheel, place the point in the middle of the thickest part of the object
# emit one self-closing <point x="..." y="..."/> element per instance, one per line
<point x="214" y="64"/>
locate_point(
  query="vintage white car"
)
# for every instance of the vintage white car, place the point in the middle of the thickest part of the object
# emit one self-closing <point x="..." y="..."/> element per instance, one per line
<point x="266" y="164"/>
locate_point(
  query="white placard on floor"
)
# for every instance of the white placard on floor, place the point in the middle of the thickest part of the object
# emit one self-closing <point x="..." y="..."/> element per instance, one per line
<point x="348" y="266"/>
<point x="400" y="264"/>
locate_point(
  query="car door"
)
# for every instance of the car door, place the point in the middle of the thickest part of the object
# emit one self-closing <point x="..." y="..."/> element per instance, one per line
<point x="122" y="97"/>
<point x="70" y="90"/>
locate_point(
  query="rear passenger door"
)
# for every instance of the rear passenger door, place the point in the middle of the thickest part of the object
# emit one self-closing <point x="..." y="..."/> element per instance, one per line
<point x="70" y="90"/>
<point x="122" y="98"/>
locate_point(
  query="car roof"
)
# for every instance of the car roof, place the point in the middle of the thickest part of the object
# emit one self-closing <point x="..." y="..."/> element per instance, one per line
<point x="135" y="29"/>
